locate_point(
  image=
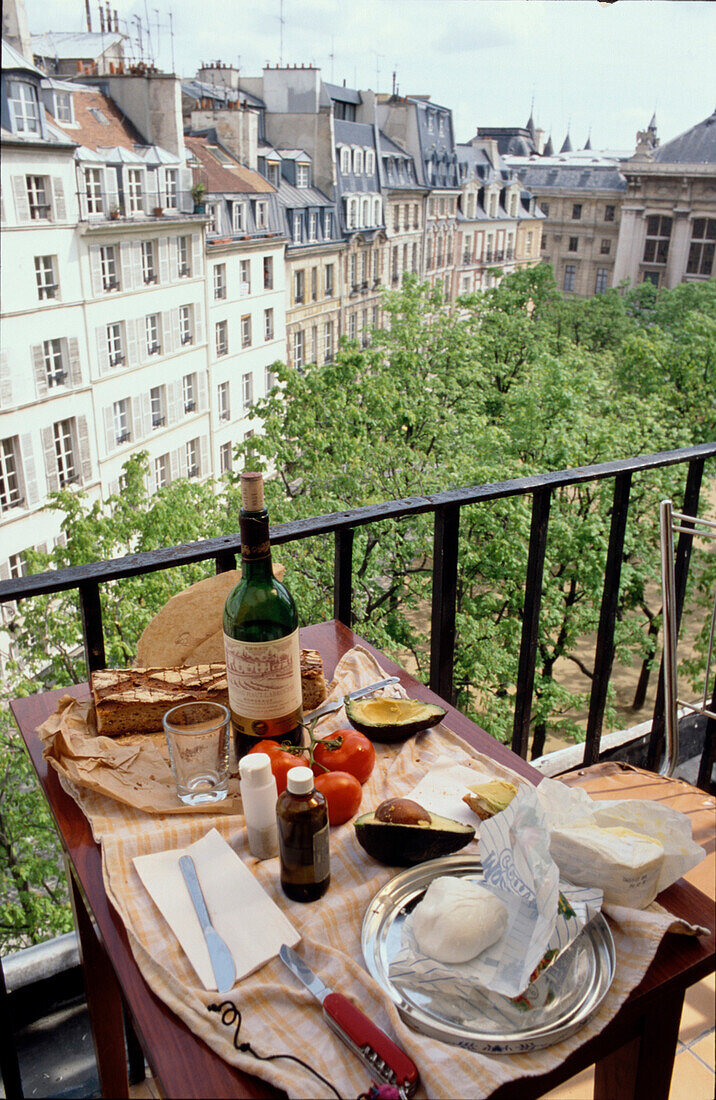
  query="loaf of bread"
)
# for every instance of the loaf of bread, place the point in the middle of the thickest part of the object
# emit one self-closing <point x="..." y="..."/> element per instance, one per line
<point x="134" y="700"/>
<point x="313" y="684"/>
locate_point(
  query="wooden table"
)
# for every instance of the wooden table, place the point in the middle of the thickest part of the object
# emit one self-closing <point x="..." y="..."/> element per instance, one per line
<point x="634" y="1054"/>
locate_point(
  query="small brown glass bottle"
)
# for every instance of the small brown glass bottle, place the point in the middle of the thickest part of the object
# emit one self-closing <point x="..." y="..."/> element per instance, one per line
<point x="302" y="814"/>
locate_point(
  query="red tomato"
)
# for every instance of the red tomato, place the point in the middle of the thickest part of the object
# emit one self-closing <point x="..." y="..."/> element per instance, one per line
<point x="354" y="755"/>
<point x="281" y="761"/>
<point x="343" y="793"/>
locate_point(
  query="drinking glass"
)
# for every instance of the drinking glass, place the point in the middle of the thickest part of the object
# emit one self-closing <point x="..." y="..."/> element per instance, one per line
<point x="198" y="739"/>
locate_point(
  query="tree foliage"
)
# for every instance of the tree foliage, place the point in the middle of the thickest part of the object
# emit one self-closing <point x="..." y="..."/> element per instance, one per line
<point x="513" y="381"/>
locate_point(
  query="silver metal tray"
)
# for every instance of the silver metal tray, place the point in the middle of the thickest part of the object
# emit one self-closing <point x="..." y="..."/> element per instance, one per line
<point x="458" y="1010"/>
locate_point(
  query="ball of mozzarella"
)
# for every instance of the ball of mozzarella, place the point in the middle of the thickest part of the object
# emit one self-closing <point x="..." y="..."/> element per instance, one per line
<point x="457" y="920"/>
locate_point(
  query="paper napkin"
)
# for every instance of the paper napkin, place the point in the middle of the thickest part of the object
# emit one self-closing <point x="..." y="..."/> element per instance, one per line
<point x="246" y="918"/>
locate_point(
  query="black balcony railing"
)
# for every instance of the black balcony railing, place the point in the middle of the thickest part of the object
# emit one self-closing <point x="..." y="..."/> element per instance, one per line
<point x="445" y="508"/>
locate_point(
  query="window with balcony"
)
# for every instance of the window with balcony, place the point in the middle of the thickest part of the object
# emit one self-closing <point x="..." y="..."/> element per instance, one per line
<point x="183" y="254"/>
<point x="656" y="245"/>
<point x="149" y="262"/>
<point x="219" y="281"/>
<point x="46" y="277"/>
<point x="238" y="217"/>
<point x="225" y="458"/>
<point x="54" y="360"/>
<point x="261" y="213"/>
<point x="570" y="272"/>
<point x="573" y="244"/>
<point x="109" y="267"/>
<point x="701" y="249"/>
<point x="11" y="493"/>
<point x="186" y="325"/>
<point x="376" y="266"/>
<point x="605" y="247"/>
<point x="222" y="337"/>
<point x="246" y="331"/>
<point x="115" y="344"/>
<point x="192" y="458"/>
<point x="268" y="272"/>
<point x="93" y="190"/>
<point x="354" y="272"/>
<point x="162" y="474"/>
<point x="302" y="174"/>
<point x="24" y="107"/>
<point x="299" y="287"/>
<point x="609" y="213"/>
<point x="122" y="421"/>
<point x="268" y="324"/>
<point x="601" y="281"/>
<point x="135" y="203"/>
<point x="158" y="406"/>
<point x="38" y="192"/>
<point x="352" y="325"/>
<point x="222" y="395"/>
<point x="245" y="277"/>
<point x="65" y="452"/>
<point x="171" y="188"/>
<point x="247" y="390"/>
<point x="151" y="332"/>
<point x="328" y="281"/>
<point x="298" y="348"/>
<point x="188" y="389"/>
<point x="314" y="284"/>
<point x="576" y="211"/>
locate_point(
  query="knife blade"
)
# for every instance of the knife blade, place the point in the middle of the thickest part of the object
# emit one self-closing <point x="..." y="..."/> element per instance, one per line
<point x="376" y="1050"/>
<point x="329" y="708"/>
<point x="222" y="961"/>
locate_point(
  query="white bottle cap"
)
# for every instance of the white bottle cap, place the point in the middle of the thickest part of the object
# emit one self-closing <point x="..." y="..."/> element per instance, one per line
<point x="255" y="769"/>
<point x="300" y="780"/>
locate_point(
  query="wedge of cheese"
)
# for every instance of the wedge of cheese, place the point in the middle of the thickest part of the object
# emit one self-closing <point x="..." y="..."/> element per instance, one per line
<point x="622" y="863"/>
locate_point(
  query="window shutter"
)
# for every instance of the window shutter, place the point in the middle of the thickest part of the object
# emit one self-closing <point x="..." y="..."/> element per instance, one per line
<point x="132" y="342"/>
<point x="174" y="466"/>
<point x="22" y="206"/>
<point x="110" y="439"/>
<point x="137" y="419"/>
<point x="127" y="265"/>
<point x="176" y="334"/>
<point x="174" y="396"/>
<point x="198" y="324"/>
<point x="150" y="480"/>
<point x="137" y="273"/>
<point x="203" y="397"/>
<point x="73" y="357"/>
<point x="27" y="451"/>
<point x="173" y="259"/>
<point x="83" y="442"/>
<point x="53" y="477"/>
<point x="164" y="260"/>
<point x="183" y="465"/>
<point x="204" y="470"/>
<point x="59" y="209"/>
<point x="95" y="270"/>
<point x="38" y="363"/>
<point x="110" y="178"/>
<point x="197" y="266"/>
<point x="168" y="345"/>
<point x="102" y="350"/>
<point x="186" y="203"/>
<point x="5" y="381"/>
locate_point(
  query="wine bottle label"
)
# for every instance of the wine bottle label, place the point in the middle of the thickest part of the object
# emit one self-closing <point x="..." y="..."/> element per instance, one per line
<point x="264" y="680"/>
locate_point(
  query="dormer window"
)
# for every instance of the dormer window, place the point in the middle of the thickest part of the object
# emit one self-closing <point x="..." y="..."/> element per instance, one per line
<point x="327" y="223"/>
<point x="345" y="159"/>
<point x="24" y="107"/>
<point x="274" y="173"/>
<point x="296" y="228"/>
<point x="357" y="162"/>
<point x="431" y="124"/>
<point x="63" y="107"/>
<point x="441" y="124"/>
<point x="377" y="217"/>
<point x="301" y="175"/>
<point x="369" y="162"/>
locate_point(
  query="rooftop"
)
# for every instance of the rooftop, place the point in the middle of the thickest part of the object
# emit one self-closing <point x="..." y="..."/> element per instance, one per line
<point x="221" y="172"/>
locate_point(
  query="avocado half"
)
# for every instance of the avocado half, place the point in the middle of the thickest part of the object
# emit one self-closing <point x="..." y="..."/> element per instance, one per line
<point x="388" y="720"/>
<point x="400" y="845"/>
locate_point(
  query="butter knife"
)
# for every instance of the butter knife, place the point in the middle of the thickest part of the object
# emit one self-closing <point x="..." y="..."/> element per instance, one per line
<point x="222" y="961"/>
<point x="329" y="708"/>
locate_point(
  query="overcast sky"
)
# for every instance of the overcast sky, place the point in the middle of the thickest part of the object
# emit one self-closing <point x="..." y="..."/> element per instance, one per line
<point x="588" y="65"/>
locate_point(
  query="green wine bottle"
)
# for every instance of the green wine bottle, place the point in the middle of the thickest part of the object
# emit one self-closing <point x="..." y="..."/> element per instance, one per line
<point x="263" y="667"/>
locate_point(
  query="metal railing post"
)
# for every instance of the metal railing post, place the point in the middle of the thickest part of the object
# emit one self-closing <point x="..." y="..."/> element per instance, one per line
<point x="442" y="620"/>
<point x="343" y="574"/>
<point x="92" y="633"/>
